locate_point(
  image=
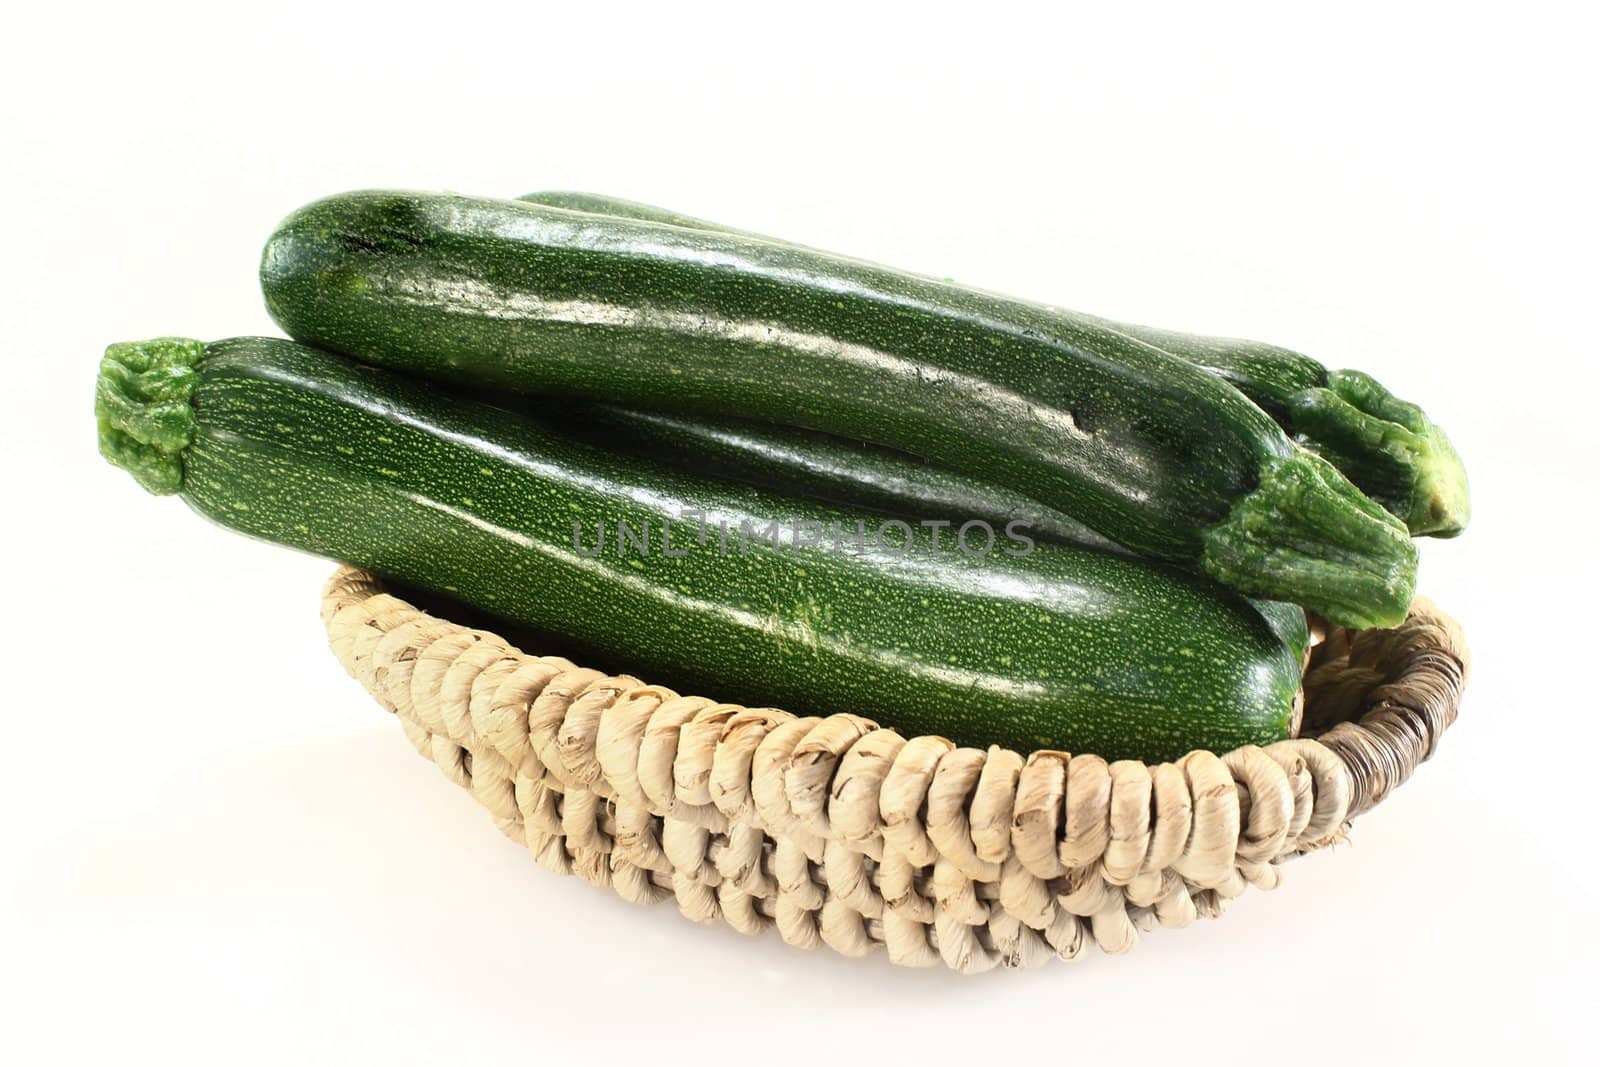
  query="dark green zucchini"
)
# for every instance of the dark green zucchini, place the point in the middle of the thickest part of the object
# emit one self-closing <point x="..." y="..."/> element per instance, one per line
<point x="1057" y="647"/>
<point x="1386" y="446"/>
<point x="816" y="466"/>
<point x="1147" y="450"/>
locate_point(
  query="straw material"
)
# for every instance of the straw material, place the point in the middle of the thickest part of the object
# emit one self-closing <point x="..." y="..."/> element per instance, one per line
<point x="841" y="833"/>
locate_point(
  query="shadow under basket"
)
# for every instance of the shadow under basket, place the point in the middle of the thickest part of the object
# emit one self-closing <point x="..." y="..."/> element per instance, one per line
<point x="841" y="833"/>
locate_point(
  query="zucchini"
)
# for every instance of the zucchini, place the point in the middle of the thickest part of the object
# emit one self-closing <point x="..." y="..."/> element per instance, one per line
<point x="818" y="466"/>
<point x="1386" y="446"/>
<point x="1145" y="449"/>
<point x="1060" y="647"/>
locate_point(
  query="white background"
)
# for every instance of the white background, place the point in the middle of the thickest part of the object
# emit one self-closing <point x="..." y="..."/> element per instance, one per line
<point x="217" y="849"/>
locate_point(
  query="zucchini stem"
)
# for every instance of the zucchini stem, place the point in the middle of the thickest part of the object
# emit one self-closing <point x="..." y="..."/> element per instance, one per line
<point x="143" y="408"/>
<point x="1388" y="448"/>
<point x="1306" y="534"/>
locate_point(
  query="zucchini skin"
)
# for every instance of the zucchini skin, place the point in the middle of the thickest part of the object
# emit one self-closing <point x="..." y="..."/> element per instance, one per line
<point x="1386" y="446"/>
<point x="817" y="466"/>
<point x="1151" y="452"/>
<point x="1063" y="647"/>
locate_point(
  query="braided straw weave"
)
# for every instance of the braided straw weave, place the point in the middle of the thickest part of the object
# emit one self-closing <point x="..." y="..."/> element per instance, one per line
<point x="842" y="833"/>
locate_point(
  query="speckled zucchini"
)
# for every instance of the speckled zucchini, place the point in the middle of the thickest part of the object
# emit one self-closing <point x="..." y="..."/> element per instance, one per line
<point x="1059" y="647"/>
<point x="1386" y="446"/>
<point x="816" y="466"/>
<point x="1145" y="449"/>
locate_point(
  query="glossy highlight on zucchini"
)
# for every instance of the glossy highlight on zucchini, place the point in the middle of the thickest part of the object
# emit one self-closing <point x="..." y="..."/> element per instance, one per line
<point x="1147" y="450"/>
<point x="1386" y="446"/>
<point x="1063" y="647"/>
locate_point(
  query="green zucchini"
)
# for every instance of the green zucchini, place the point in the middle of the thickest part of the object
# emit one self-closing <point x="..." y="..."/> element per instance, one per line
<point x="817" y="466"/>
<point x="1386" y="446"/>
<point x="1058" y="647"/>
<point x="1147" y="450"/>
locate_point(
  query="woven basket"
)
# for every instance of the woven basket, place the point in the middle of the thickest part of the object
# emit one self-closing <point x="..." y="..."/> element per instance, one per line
<point x="842" y="833"/>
